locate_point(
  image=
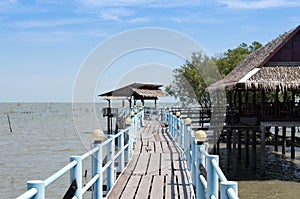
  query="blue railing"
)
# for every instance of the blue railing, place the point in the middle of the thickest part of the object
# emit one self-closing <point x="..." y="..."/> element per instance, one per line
<point x="207" y="176"/>
<point x="36" y="188"/>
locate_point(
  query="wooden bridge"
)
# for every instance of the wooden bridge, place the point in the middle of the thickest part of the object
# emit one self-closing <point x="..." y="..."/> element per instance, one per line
<point x="157" y="168"/>
<point x="145" y="161"/>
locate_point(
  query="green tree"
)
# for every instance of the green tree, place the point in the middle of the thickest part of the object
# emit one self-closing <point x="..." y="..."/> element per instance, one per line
<point x="232" y="57"/>
<point x="192" y="79"/>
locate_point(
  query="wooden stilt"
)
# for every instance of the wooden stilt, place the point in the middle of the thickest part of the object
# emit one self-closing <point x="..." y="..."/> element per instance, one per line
<point x="283" y="140"/>
<point x="247" y="148"/>
<point x="239" y="144"/>
<point x="254" y="149"/>
<point x="234" y="154"/>
<point x="262" y="151"/>
<point x="228" y="141"/>
<point x="276" y="139"/>
<point x="293" y="131"/>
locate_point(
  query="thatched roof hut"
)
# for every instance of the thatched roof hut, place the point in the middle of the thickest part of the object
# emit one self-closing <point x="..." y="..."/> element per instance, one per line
<point x="274" y="66"/>
<point x="136" y="90"/>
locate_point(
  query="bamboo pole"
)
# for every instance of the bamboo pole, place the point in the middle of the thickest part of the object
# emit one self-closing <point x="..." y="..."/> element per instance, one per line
<point x="9" y="124"/>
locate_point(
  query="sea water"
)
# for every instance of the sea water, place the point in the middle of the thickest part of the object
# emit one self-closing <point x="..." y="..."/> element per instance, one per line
<point x="44" y="135"/>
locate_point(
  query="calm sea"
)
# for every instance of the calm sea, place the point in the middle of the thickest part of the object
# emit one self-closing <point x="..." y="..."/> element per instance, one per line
<point x="46" y="134"/>
<point x="43" y="137"/>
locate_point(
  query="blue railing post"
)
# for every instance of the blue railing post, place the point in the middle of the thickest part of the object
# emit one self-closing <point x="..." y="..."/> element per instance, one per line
<point x="97" y="169"/>
<point x="39" y="185"/>
<point x="176" y="120"/>
<point x="110" y="157"/>
<point x="181" y="133"/>
<point x="187" y="144"/>
<point x="170" y="120"/>
<point x="193" y="163"/>
<point x="121" y="148"/>
<point x="200" y="189"/>
<point x="212" y="177"/>
<point x="76" y="173"/>
<point x="128" y="139"/>
<point x="226" y="186"/>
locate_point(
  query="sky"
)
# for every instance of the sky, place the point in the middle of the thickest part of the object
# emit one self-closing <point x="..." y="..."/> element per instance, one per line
<point x="45" y="45"/>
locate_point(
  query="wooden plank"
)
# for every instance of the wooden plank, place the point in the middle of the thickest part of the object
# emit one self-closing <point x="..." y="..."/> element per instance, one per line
<point x="151" y="147"/>
<point x="158" y="148"/>
<point x="182" y="184"/>
<point x="118" y="188"/>
<point x="131" y="187"/>
<point x="170" y="187"/>
<point x="154" y="164"/>
<point x="157" y="137"/>
<point x="137" y="147"/>
<point x="165" y="147"/>
<point x="132" y="163"/>
<point x="165" y="164"/>
<point x="144" y="187"/>
<point x="141" y="166"/>
<point x="157" y="187"/>
<point x="145" y="147"/>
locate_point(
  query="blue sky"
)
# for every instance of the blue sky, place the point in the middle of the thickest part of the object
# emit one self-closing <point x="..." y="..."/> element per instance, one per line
<point x="44" y="43"/>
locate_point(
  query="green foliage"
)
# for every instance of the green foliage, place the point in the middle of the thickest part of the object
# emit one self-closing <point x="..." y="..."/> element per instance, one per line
<point x="232" y="57"/>
<point x="191" y="80"/>
<point x="193" y="77"/>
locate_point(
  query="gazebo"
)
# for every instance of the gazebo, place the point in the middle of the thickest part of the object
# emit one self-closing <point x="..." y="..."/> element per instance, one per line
<point x="262" y="91"/>
<point x="132" y="92"/>
<point x="136" y="91"/>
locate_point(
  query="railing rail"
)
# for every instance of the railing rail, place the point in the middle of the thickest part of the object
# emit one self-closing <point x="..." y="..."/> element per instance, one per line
<point x="126" y="138"/>
<point x="207" y="176"/>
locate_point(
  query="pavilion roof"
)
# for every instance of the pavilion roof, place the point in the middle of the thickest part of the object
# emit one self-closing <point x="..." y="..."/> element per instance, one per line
<point x="137" y="90"/>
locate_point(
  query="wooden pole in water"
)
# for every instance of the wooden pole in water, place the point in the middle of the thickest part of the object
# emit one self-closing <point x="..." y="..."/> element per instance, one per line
<point x="276" y="138"/>
<point x="293" y="143"/>
<point x="9" y="124"/>
<point x="262" y="151"/>
<point x="283" y="140"/>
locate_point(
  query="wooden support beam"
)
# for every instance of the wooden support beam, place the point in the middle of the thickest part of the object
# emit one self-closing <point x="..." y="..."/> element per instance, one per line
<point x="283" y="140"/>
<point x="276" y="139"/>
<point x="247" y="148"/>
<point x="293" y="131"/>
<point x="254" y="149"/>
<point x="262" y="151"/>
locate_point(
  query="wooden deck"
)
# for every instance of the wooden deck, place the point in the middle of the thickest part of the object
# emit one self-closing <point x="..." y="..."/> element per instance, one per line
<point x="156" y="169"/>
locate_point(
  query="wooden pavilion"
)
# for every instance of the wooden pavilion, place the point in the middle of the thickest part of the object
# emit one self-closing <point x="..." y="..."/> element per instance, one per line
<point x="263" y="90"/>
<point x="132" y="92"/>
<point x="136" y="91"/>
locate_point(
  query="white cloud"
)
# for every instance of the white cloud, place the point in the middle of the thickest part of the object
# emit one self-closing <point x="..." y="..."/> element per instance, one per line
<point x="135" y="3"/>
<point x="27" y="24"/>
<point x="116" y="14"/>
<point x="260" y="4"/>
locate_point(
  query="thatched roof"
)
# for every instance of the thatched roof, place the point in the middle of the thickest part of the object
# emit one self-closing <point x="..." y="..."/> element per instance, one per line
<point x="137" y="90"/>
<point x="253" y="71"/>
<point x="270" y="78"/>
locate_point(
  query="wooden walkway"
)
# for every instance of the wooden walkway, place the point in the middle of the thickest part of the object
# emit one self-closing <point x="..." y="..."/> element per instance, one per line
<point x="156" y="169"/>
